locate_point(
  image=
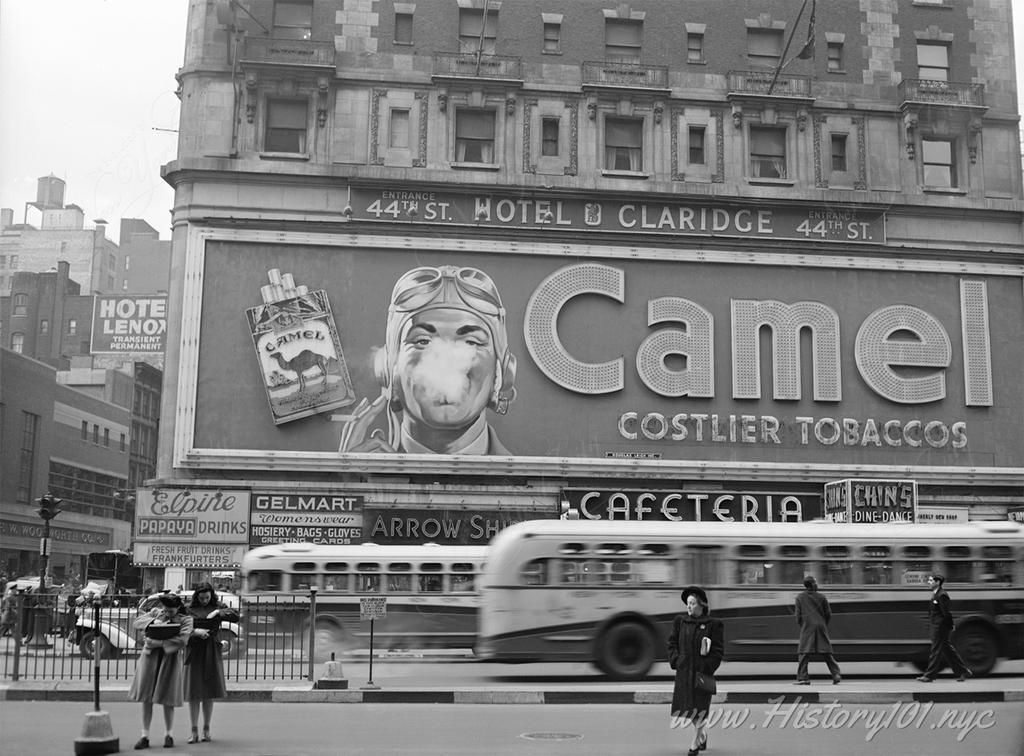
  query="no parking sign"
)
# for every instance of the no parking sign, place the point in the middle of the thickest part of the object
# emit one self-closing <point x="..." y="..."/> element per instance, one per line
<point x="373" y="607"/>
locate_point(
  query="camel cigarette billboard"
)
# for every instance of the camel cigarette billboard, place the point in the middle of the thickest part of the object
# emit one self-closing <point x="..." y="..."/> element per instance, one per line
<point x="605" y="359"/>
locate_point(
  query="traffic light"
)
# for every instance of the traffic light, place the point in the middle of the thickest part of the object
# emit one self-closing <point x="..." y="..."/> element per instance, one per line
<point x="49" y="507"/>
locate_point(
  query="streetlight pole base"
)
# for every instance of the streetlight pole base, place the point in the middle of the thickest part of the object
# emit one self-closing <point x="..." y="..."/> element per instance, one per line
<point x="97" y="735"/>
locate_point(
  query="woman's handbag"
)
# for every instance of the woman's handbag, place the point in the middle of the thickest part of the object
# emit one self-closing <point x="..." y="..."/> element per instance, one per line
<point x="706" y="683"/>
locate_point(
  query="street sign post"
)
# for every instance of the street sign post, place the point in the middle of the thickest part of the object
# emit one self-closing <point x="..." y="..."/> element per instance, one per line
<point x="372" y="608"/>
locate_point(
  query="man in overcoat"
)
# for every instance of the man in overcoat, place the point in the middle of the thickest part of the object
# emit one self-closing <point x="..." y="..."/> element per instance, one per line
<point x="813" y="615"/>
<point x="940" y="623"/>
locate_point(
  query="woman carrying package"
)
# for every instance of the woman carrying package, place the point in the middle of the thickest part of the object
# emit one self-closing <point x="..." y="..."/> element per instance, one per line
<point x="695" y="649"/>
<point x="158" y="676"/>
<point x="204" y="667"/>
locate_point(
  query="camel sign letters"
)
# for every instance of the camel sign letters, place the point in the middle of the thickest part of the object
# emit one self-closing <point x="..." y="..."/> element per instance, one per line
<point x="299" y="351"/>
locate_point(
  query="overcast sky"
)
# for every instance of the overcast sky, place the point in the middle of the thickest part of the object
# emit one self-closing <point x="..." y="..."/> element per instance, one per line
<point x="84" y="86"/>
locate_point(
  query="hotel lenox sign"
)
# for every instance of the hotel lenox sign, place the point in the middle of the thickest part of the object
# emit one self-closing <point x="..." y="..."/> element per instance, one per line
<point x="648" y="359"/>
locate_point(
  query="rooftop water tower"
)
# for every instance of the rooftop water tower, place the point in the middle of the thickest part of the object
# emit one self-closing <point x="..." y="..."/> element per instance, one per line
<point x="49" y="193"/>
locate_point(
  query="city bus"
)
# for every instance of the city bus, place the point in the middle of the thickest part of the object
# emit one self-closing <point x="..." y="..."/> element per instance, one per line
<point x="606" y="592"/>
<point x="430" y="591"/>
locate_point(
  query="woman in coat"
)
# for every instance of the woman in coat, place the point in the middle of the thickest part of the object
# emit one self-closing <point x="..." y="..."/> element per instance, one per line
<point x="158" y="674"/>
<point x="204" y="667"/>
<point x="695" y="645"/>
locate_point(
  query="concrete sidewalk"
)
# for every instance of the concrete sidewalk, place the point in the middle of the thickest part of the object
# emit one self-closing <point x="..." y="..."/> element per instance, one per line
<point x="759" y="692"/>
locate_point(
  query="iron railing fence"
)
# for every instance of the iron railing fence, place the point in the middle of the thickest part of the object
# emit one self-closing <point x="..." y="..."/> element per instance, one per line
<point x="50" y="640"/>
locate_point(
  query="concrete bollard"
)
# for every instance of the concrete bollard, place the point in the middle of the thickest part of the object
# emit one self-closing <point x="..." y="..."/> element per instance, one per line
<point x="333" y="678"/>
<point x="97" y="735"/>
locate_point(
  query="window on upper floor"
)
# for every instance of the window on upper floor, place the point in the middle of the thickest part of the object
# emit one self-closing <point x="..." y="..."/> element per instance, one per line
<point x="72" y="327"/>
<point x="834" y="61"/>
<point x="403" y="28"/>
<point x="552" y="37"/>
<point x="477" y="33"/>
<point x="286" y="125"/>
<point x="127" y="262"/>
<point x="933" y="61"/>
<point x="767" y="152"/>
<point x="44" y="326"/>
<point x="474" y="136"/>
<point x="549" y="137"/>
<point x="293" y="19"/>
<point x="13" y="264"/>
<point x="695" y="142"/>
<point x="398" y="129"/>
<point x="95" y="434"/>
<point x="3" y="261"/>
<point x="17" y="342"/>
<point x="938" y="158"/>
<point x="622" y="39"/>
<point x="764" y="46"/>
<point x="694" y="47"/>
<point x="20" y="305"/>
<point x="85" y="430"/>
<point x="838" y="144"/>
<point x="623" y="144"/>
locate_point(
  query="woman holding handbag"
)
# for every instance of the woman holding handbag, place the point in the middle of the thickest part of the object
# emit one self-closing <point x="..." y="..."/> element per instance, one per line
<point x="695" y="649"/>
<point x="204" y="668"/>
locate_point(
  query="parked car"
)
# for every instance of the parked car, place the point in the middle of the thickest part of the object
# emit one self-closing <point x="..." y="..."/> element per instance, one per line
<point x="115" y="634"/>
<point x="231" y="636"/>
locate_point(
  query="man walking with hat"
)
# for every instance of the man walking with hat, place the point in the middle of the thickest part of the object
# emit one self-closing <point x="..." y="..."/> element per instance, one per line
<point x="940" y="622"/>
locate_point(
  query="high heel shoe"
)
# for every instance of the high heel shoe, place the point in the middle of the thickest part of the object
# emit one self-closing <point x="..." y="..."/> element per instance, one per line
<point x="194" y="737"/>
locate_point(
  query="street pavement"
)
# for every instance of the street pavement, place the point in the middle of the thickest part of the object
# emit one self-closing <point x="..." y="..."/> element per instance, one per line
<point x="797" y="729"/>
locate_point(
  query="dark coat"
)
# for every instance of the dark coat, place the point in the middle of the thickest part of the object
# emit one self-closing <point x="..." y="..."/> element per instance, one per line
<point x="813" y="615"/>
<point x="204" y="666"/>
<point x="940" y="613"/>
<point x="158" y="674"/>
<point x="684" y="657"/>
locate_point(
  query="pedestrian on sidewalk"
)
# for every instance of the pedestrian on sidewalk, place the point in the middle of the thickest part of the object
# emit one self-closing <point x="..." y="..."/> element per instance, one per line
<point x="696" y="647"/>
<point x="940" y="623"/>
<point x="813" y="615"/>
<point x="158" y="677"/>
<point x="204" y="667"/>
<point x="8" y="612"/>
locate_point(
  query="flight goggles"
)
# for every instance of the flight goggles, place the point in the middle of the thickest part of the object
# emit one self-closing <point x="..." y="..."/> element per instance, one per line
<point x="447" y="285"/>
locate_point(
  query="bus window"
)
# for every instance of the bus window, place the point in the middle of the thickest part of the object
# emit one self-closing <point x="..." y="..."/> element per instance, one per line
<point x="658" y="549"/>
<point x="998" y="565"/>
<point x="916" y="565"/>
<point x="572" y="571"/>
<point x="534" y="572"/>
<point x="368" y="583"/>
<point x="836" y="566"/>
<point x="265" y="580"/>
<point x="399" y="583"/>
<point x="594" y="572"/>
<point x="622" y="572"/>
<point x="876" y="565"/>
<point x="957" y="567"/>
<point x="336" y="579"/>
<point x="302" y="579"/>
<point x="431" y="583"/>
<point x="463" y="577"/>
<point x="654" y="572"/>
<point x="793" y="565"/>
<point x="611" y="548"/>
<point x="571" y="548"/>
<point x="750" y="565"/>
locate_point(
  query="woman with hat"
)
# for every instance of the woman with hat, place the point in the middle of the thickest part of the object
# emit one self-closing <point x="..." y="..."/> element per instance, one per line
<point x="695" y="649"/>
<point x="204" y="673"/>
<point x="158" y="676"/>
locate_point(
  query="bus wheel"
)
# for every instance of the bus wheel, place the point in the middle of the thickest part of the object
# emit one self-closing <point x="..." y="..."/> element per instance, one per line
<point x="977" y="646"/>
<point x="329" y="637"/>
<point x="625" y="651"/>
<point x="94" y="645"/>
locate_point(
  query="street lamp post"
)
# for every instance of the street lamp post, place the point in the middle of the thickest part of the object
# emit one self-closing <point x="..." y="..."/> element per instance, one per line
<point x="49" y="507"/>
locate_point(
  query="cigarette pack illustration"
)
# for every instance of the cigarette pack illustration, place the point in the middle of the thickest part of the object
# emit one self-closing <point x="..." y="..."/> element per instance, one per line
<point x="299" y="350"/>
